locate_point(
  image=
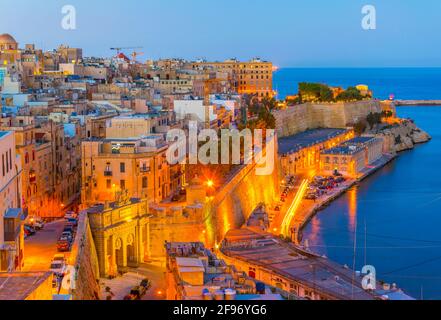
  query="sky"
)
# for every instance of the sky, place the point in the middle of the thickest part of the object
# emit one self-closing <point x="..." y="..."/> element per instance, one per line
<point x="291" y="33"/>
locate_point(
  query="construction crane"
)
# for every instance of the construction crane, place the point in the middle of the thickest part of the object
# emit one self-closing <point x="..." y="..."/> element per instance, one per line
<point x="118" y="50"/>
<point x="135" y="55"/>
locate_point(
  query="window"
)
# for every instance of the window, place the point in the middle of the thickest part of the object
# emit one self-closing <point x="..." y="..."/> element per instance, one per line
<point x="122" y="184"/>
<point x="122" y="167"/>
<point x="7" y="162"/>
<point x="108" y="183"/>
<point x="144" y="182"/>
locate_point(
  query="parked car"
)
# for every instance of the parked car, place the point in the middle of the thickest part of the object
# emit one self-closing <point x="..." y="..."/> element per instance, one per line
<point x="68" y="228"/>
<point x="146" y="283"/>
<point x="138" y="292"/>
<point x="72" y="221"/>
<point x="69" y="215"/>
<point x="66" y="235"/>
<point x="58" y="267"/>
<point x="31" y="231"/>
<point x="63" y="246"/>
<point x="35" y="222"/>
<point x="59" y="257"/>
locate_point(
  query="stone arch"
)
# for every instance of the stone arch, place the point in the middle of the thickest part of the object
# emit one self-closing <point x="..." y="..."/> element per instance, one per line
<point x="119" y="254"/>
<point x="131" y="253"/>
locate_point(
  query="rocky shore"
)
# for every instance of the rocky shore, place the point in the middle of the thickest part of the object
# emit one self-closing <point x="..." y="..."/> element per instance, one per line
<point x="402" y="136"/>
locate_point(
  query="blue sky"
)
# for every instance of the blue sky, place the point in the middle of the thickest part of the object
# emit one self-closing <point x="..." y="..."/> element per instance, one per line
<point x="291" y="33"/>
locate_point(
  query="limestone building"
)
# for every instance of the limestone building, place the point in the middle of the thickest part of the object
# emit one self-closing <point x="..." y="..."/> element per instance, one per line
<point x="121" y="233"/>
<point x="252" y="77"/>
<point x="138" y="165"/>
<point x="11" y="214"/>
<point x="352" y="157"/>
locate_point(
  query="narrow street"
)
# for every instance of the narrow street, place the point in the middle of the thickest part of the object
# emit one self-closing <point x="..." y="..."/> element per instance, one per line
<point x="41" y="247"/>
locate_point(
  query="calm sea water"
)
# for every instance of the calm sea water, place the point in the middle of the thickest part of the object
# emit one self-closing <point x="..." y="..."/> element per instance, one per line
<point x="393" y="218"/>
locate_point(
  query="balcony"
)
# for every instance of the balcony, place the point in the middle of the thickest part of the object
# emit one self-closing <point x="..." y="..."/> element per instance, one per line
<point x="12" y="224"/>
<point x="144" y="169"/>
<point x="108" y="173"/>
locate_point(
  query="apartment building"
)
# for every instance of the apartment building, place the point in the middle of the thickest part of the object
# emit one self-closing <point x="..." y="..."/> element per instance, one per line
<point x="252" y="77"/>
<point x="137" y="165"/>
<point x="50" y="161"/>
<point x="11" y="214"/>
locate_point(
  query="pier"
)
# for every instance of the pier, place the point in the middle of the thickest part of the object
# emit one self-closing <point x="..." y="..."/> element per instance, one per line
<point x="404" y="103"/>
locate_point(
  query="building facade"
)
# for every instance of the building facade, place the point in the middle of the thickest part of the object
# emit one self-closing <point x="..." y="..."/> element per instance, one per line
<point x="11" y="214"/>
<point x="121" y="233"/>
<point x="252" y="77"/>
<point x="138" y="165"/>
<point x="352" y="157"/>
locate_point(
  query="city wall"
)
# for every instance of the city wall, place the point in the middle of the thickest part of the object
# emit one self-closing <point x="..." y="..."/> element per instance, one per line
<point x="234" y="203"/>
<point x="85" y="261"/>
<point x="306" y="116"/>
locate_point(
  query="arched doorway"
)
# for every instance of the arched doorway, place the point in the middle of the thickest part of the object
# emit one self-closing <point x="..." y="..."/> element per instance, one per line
<point x="119" y="257"/>
<point x="131" y="254"/>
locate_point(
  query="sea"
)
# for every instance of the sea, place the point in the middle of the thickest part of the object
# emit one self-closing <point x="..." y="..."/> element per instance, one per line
<point x="391" y="220"/>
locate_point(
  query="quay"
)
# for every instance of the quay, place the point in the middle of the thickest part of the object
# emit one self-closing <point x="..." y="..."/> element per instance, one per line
<point x="403" y="103"/>
<point x="309" y="208"/>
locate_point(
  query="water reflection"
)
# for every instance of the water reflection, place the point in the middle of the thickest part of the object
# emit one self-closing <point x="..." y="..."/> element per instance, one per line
<point x="352" y="205"/>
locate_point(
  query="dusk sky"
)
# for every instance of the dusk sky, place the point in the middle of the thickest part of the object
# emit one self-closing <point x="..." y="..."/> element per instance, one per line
<point x="291" y="33"/>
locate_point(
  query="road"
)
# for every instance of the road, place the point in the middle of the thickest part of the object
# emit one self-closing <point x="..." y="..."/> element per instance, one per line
<point x="121" y="286"/>
<point x="41" y="248"/>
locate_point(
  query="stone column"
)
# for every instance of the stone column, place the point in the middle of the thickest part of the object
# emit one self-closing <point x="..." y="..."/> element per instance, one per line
<point x="124" y="252"/>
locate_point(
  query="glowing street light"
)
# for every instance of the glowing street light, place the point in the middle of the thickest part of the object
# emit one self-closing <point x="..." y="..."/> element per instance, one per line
<point x="210" y="183"/>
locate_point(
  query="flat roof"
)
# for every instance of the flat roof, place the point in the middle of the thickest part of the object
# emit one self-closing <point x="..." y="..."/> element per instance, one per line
<point x="19" y="285"/>
<point x="307" y="138"/>
<point x="343" y="150"/>
<point x="288" y="261"/>
<point x="350" y="147"/>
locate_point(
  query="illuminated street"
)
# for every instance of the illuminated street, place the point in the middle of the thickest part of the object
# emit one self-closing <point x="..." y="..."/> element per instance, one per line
<point x="41" y="247"/>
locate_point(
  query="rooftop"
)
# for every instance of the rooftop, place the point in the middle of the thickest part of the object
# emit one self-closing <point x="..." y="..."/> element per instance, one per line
<point x="307" y="138"/>
<point x="352" y="146"/>
<point x="293" y="263"/>
<point x="18" y="286"/>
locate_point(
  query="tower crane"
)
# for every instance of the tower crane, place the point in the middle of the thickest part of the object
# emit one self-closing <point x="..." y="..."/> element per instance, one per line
<point x="119" y="49"/>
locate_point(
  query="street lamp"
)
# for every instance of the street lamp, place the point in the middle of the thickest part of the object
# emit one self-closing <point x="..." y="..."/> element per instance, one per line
<point x="210" y="183"/>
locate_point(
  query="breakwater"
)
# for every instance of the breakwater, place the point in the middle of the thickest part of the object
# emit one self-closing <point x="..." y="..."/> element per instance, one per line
<point x="422" y="103"/>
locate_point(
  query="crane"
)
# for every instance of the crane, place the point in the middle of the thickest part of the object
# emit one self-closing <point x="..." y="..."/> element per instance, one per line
<point x="118" y="50"/>
<point x="136" y="54"/>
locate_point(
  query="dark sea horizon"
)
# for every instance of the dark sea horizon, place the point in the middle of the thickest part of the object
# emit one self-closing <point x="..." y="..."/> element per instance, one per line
<point x="393" y="217"/>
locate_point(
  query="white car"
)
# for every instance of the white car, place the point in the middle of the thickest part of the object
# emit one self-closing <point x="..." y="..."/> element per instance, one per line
<point x="70" y="215"/>
<point x="58" y="267"/>
<point x="59" y="258"/>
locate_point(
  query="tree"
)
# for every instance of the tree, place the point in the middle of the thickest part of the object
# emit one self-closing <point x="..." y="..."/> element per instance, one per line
<point x="350" y="94"/>
<point x="360" y="127"/>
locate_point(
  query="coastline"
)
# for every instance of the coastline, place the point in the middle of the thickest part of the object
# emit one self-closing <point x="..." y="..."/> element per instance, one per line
<point x="310" y="211"/>
<point x="408" y="134"/>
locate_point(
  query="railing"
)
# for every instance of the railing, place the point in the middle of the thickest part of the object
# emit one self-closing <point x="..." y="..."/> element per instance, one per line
<point x="108" y="173"/>
<point x="144" y="169"/>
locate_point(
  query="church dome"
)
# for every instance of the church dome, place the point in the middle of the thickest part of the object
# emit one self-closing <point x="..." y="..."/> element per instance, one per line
<point x="7" y="39"/>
